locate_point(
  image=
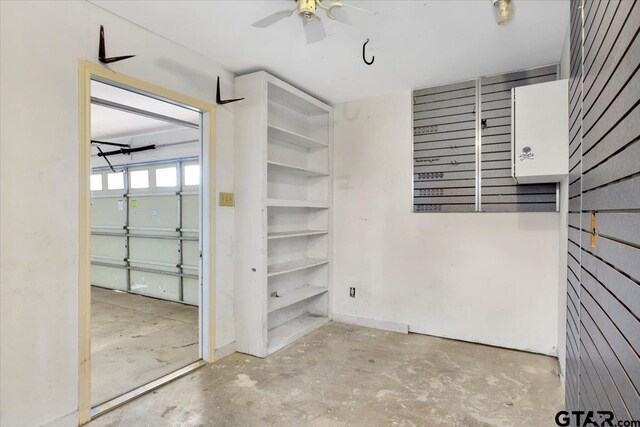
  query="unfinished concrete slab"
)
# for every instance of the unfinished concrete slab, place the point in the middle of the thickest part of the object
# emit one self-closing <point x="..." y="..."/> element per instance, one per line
<point x="343" y="375"/>
<point x="136" y="339"/>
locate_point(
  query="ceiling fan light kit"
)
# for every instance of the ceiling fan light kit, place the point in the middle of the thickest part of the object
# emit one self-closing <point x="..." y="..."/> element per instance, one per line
<point x="503" y="11"/>
<point x="308" y="10"/>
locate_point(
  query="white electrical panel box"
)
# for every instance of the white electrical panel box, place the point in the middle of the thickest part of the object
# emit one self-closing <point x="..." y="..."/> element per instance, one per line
<point x="540" y="132"/>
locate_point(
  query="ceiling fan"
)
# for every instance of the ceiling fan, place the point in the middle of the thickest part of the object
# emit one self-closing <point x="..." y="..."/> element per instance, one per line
<point x="309" y="12"/>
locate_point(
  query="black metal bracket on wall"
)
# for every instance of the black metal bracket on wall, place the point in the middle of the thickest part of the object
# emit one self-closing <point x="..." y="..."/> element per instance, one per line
<point x="219" y="99"/>
<point x="102" y="51"/>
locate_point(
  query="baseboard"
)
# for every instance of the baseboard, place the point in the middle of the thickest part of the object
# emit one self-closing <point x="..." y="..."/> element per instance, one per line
<point x="225" y="350"/>
<point x="69" y="420"/>
<point x="551" y="353"/>
<point x="372" y="323"/>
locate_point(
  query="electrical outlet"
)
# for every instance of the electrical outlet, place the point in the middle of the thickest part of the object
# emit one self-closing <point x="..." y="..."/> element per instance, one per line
<point x="352" y="292"/>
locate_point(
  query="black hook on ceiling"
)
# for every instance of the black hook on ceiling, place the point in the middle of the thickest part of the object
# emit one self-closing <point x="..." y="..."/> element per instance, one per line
<point x="364" y="56"/>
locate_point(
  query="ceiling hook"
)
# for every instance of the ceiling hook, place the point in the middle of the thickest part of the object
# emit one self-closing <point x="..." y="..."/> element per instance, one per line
<point x="364" y="57"/>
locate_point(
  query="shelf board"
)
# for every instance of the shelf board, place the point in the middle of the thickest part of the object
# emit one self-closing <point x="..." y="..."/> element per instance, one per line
<point x="295" y="233"/>
<point x="281" y="167"/>
<point x="293" y="98"/>
<point x="284" y="203"/>
<point x="286" y="333"/>
<point x="294" y="296"/>
<point x="296" y="265"/>
<point x="294" y="138"/>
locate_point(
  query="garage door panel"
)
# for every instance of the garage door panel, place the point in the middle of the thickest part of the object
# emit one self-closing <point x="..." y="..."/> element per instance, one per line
<point x="109" y="246"/>
<point x="190" y="252"/>
<point x="156" y="250"/>
<point x="191" y="212"/>
<point x="156" y="285"/>
<point x="108" y="211"/>
<point x="154" y="211"/>
<point x="191" y="291"/>
<point x="109" y="277"/>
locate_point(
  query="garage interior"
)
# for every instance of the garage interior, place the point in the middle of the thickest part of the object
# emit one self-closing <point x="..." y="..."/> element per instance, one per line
<point x="145" y="245"/>
<point x="320" y="212"/>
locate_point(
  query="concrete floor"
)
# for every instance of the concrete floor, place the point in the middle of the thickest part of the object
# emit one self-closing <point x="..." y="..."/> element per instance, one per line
<point x="343" y="375"/>
<point x="135" y="340"/>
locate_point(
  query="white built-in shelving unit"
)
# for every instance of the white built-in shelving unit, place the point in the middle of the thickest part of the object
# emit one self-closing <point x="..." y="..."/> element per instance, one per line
<point x="283" y="203"/>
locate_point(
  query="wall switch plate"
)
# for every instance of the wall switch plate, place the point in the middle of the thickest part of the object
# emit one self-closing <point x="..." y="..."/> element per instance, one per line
<point x="226" y="199"/>
<point x="352" y="292"/>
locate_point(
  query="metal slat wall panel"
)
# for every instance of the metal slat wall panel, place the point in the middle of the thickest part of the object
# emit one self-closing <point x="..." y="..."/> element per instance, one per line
<point x="617" y="357"/>
<point x="420" y="147"/>
<point x="518" y="207"/>
<point x="498" y="132"/>
<point x="624" y="132"/>
<point x="447" y="157"/>
<point x="596" y="126"/>
<point x="573" y="399"/>
<point x="603" y="361"/>
<point x="444" y="157"/>
<point x="462" y="149"/>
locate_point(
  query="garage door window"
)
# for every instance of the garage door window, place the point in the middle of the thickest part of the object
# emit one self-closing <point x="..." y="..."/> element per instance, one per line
<point x="96" y="182"/>
<point x="166" y="177"/>
<point x="139" y="179"/>
<point x="115" y="181"/>
<point x="192" y="175"/>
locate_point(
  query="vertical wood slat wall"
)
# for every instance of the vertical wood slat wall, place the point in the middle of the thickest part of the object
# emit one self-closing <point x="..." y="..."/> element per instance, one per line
<point x="461" y="166"/>
<point x="603" y="290"/>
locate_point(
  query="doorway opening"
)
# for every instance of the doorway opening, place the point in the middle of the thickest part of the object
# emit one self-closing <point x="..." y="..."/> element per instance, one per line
<point x="146" y="299"/>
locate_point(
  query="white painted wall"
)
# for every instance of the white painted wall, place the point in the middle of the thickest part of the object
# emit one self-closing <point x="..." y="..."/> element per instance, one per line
<point x="484" y="277"/>
<point x="41" y="43"/>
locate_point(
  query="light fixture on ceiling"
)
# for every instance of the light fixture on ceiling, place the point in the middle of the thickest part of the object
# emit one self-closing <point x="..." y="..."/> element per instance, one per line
<point x="309" y="11"/>
<point x="503" y="11"/>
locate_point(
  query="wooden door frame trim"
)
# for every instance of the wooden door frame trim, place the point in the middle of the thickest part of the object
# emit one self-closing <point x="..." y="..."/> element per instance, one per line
<point x="87" y="71"/>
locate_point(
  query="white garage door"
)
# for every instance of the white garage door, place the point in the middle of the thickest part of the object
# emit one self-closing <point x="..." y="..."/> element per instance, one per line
<point x="145" y="221"/>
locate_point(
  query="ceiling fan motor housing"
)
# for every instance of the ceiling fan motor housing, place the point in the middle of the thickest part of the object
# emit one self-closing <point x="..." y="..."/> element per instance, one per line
<point x="307" y="8"/>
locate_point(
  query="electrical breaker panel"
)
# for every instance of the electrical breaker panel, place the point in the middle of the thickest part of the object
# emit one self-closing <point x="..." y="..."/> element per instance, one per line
<point x="540" y="132"/>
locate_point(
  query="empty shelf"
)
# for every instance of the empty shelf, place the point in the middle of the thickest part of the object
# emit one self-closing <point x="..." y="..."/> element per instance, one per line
<point x="295" y="169"/>
<point x="293" y="296"/>
<point x="295" y="233"/>
<point x="296" y="100"/>
<point x="291" y="266"/>
<point x="294" y="138"/>
<point x="284" y="203"/>
<point x="288" y="332"/>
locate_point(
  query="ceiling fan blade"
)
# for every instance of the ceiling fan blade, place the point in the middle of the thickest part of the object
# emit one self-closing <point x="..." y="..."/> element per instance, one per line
<point x="314" y="30"/>
<point x="273" y="18"/>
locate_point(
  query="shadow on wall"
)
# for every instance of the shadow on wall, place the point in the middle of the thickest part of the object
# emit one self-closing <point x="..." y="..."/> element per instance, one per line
<point x="201" y="82"/>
